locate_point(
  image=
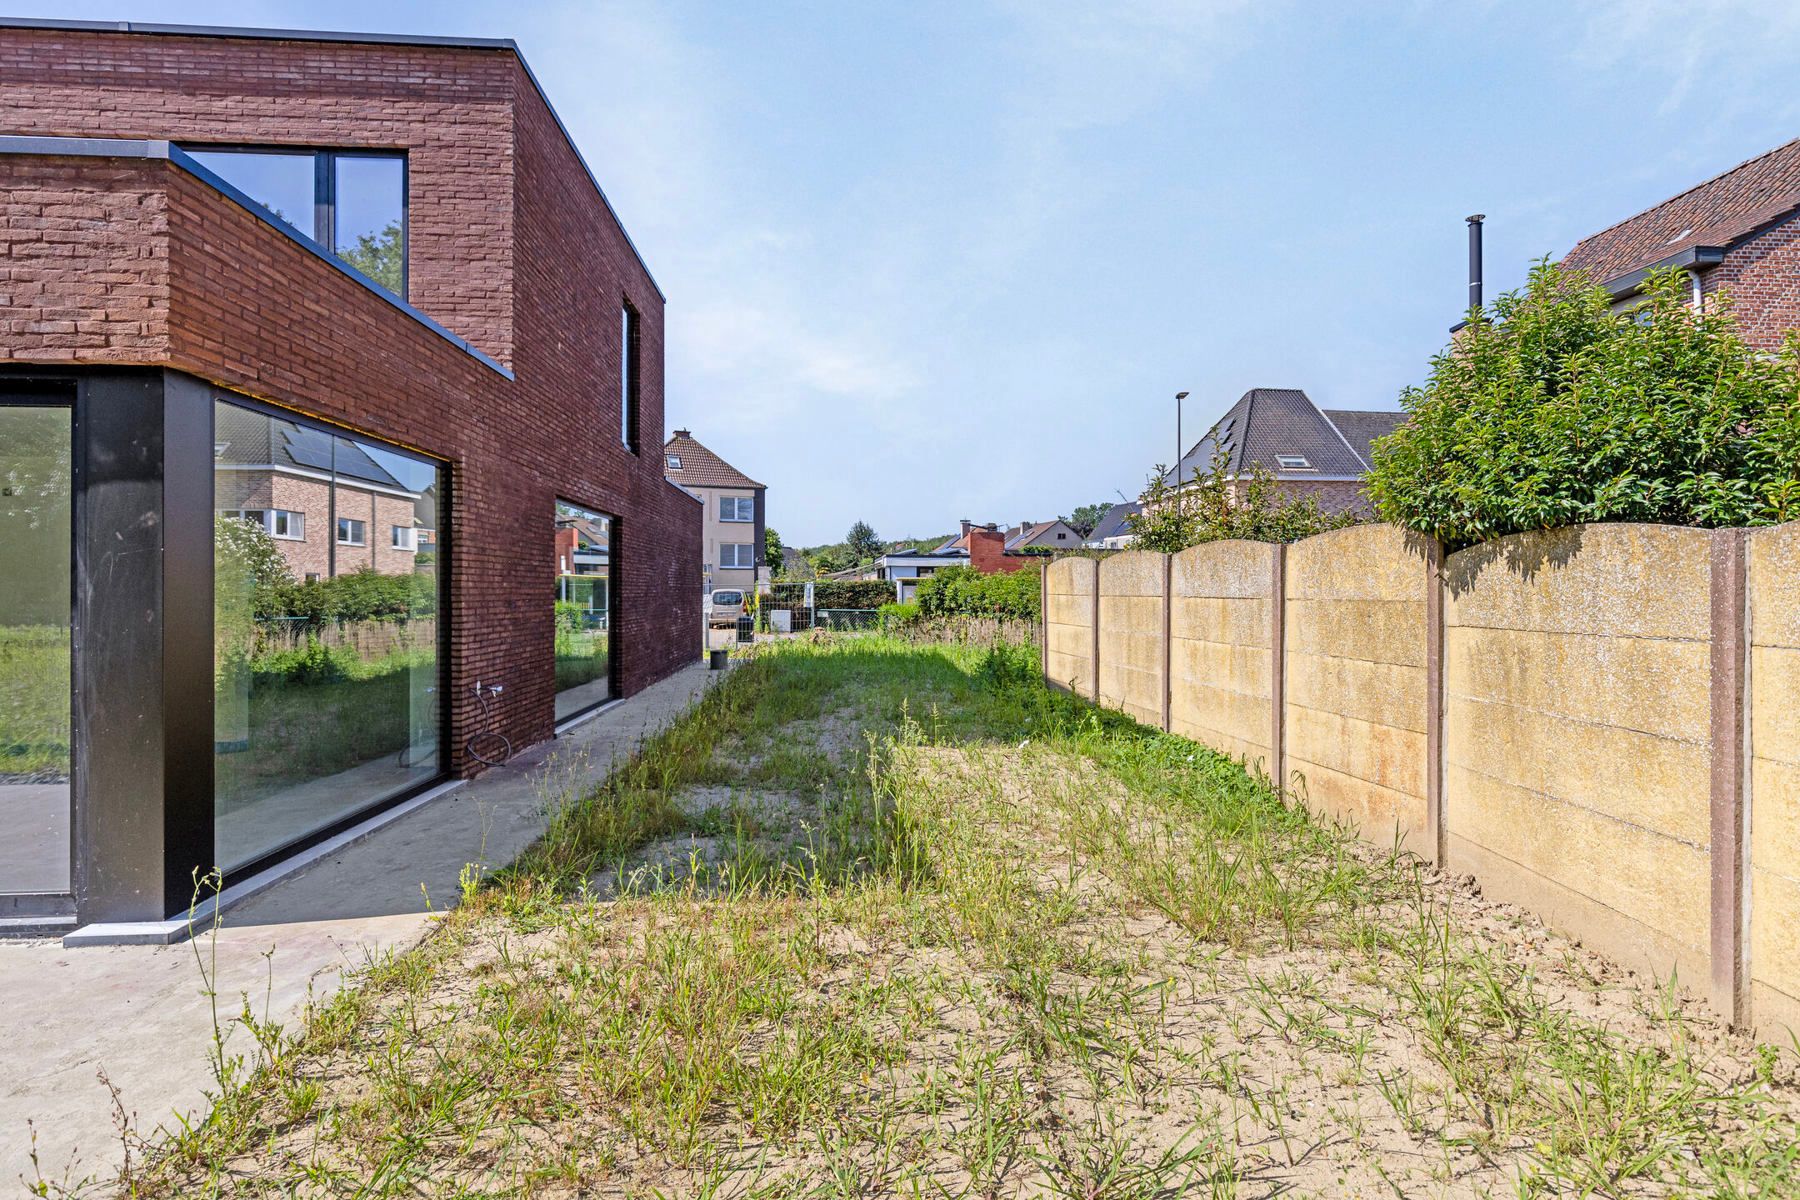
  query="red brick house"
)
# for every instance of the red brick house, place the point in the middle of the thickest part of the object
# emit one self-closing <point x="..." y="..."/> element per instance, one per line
<point x="1734" y="232"/>
<point x="360" y="294"/>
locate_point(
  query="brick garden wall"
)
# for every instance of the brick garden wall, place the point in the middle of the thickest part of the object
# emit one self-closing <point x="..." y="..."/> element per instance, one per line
<point x="170" y="272"/>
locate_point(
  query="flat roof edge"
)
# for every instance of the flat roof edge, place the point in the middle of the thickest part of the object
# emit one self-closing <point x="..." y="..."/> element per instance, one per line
<point x="369" y="39"/>
<point x="67" y="147"/>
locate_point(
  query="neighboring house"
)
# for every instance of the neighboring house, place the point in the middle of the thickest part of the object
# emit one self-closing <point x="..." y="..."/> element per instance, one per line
<point x="1322" y="453"/>
<point x="1114" y="530"/>
<point x="908" y="567"/>
<point x="583" y="546"/>
<point x="330" y="510"/>
<point x="732" y="537"/>
<point x="1042" y="535"/>
<point x="364" y="293"/>
<point x="1736" y="231"/>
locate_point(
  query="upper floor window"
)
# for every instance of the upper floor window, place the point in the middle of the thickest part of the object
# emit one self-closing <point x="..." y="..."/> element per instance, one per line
<point x="353" y="202"/>
<point x="737" y="508"/>
<point x="628" y="377"/>
<point x="1293" y="462"/>
<point x="674" y="462"/>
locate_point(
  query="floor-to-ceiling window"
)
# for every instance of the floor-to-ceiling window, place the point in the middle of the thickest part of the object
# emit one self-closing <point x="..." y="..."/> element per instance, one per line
<point x="327" y="612"/>
<point x="36" y="537"/>
<point x="584" y="615"/>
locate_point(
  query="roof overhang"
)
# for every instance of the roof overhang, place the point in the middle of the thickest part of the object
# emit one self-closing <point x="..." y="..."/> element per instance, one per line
<point x="1693" y="258"/>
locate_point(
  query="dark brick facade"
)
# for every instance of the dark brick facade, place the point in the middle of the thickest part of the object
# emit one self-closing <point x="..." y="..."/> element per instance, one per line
<point x="138" y="261"/>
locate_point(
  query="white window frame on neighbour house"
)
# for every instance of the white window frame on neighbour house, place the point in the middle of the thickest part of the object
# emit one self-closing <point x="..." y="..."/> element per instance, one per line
<point x="737" y="556"/>
<point x="404" y="537"/>
<point x="737" y="508"/>
<point x="1293" y="462"/>
<point x="346" y="524"/>
<point x="282" y="523"/>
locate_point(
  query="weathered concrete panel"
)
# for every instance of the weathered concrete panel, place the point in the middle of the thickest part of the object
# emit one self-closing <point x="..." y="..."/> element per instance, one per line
<point x="1578" y="705"/>
<point x="1133" y="652"/>
<point x="1356" y="706"/>
<point x="1772" y="578"/>
<point x="1220" y="622"/>
<point x="1069" y="624"/>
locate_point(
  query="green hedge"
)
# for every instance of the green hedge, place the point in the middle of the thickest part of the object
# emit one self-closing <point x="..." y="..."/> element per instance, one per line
<point x="363" y="595"/>
<point x="963" y="590"/>
<point x="852" y="593"/>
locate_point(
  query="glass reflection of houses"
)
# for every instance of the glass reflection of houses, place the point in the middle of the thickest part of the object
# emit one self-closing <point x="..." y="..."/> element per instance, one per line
<point x="328" y="503"/>
<point x="583" y="610"/>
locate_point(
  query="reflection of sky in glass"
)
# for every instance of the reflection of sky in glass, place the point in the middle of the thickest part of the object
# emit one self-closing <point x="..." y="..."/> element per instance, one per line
<point x="413" y="475"/>
<point x="369" y="197"/>
<point x="281" y="182"/>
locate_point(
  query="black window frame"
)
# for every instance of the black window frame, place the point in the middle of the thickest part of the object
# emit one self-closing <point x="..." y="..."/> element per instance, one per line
<point x="324" y="215"/>
<point x="630" y="375"/>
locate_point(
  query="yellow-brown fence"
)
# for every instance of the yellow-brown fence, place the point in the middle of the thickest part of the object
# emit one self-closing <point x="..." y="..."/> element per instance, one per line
<point x="1600" y="723"/>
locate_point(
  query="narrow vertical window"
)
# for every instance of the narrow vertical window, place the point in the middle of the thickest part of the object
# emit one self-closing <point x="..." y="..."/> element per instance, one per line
<point x="628" y="377"/>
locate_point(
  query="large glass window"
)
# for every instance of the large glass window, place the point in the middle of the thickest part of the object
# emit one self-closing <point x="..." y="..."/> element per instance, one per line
<point x="36" y="534"/>
<point x="326" y="641"/>
<point x="737" y="508"/>
<point x="584" y="591"/>
<point x="351" y="201"/>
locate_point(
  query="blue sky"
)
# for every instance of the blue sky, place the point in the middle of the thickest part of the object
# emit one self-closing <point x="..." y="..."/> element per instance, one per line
<point x="937" y="260"/>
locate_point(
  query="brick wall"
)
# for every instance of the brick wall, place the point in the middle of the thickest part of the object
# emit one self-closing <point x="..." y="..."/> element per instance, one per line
<point x="987" y="553"/>
<point x="451" y="110"/>
<point x="1763" y="279"/>
<point x="194" y="281"/>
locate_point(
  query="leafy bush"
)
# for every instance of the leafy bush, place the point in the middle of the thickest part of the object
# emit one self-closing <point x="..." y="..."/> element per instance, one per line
<point x="1552" y="410"/>
<point x="852" y="593"/>
<point x="966" y="591"/>
<point x="1218" y="505"/>
<point x="897" y="616"/>
<point x="361" y="595"/>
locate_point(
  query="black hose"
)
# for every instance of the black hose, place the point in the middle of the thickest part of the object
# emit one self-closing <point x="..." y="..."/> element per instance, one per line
<point x="483" y="701"/>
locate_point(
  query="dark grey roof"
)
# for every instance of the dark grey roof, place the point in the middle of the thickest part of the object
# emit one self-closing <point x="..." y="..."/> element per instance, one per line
<point x="1362" y="428"/>
<point x="244" y="437"/>
<point x="1266" y="422"/>
<point x="1113" y="523"/>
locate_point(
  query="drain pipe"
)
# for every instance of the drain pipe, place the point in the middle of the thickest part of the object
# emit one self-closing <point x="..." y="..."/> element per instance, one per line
<point x="1475" y="260"/>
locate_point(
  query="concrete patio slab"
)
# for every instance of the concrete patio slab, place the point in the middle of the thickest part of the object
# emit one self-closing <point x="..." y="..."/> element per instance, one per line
<point x="139" y="1013"/>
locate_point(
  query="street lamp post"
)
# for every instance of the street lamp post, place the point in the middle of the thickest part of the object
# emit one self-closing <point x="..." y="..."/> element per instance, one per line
<point x="1179" y="397"/>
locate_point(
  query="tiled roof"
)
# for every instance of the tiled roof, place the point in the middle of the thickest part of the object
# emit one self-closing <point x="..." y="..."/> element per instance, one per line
<point x="1113" y="523"/>
<point x="700" y="467"/>
<point x="1266" y="422"/>
<point x="1362" y="428"/>
<point x="245" y="437"/>
<point x="1715" y="213"/>
<point x="1022" y="534"/>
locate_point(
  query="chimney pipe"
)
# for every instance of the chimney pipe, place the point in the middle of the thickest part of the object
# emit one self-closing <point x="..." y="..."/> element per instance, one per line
<point x="1475" y="260"/>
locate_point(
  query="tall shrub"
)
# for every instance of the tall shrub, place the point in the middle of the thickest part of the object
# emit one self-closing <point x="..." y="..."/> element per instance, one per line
<point x="1552" y="410"/>
<point x="964" y="591"/>
<point x="1219" y="505"/>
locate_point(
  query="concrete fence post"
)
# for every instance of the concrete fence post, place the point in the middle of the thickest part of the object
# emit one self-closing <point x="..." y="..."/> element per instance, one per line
<point x="1044" y="620"/>
<point x="1168" y="607"/>
<point x="1094" y="660"/>
<point x="1730" y="893"/>
<point x="1278" y="666"/>
<point x="1436" y="834"/>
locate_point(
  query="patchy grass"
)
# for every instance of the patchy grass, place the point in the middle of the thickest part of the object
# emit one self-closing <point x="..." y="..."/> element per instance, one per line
<point x="887" y="919"/>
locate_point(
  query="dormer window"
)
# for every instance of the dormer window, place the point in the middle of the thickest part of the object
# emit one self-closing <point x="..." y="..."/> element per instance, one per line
<point x="1293" y="462"/>
<point x="352" y="202"/>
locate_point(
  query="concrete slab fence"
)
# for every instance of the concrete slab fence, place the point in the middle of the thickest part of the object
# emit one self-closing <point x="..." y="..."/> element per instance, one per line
<point x="1601" y="723"/>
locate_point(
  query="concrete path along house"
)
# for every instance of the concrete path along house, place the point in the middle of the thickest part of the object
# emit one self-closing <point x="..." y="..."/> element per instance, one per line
<point x="140" y="1014"/>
